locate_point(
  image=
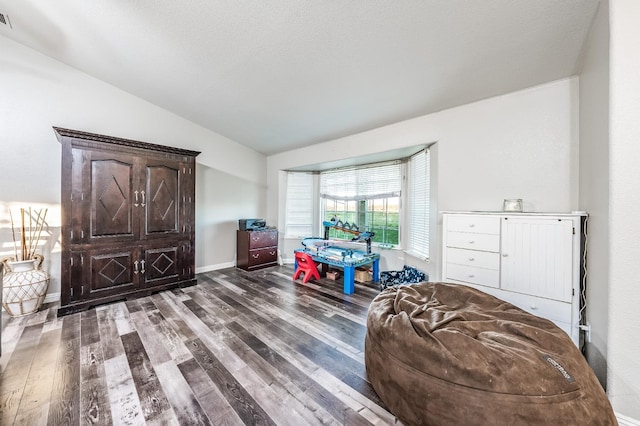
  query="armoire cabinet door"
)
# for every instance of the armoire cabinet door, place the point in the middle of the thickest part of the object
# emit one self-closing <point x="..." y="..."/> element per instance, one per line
<point x="102" y="273"/>
<point x="162" y="198"/>
<point x="161" y="265"/>
<point x="104" y="205"/>
<point x="124" y="200"/>
<point x="537" y="257"/>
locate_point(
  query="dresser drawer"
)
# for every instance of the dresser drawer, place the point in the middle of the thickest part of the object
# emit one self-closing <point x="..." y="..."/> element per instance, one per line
<point x="260" y="257"/>
<point x="551" y="309"/>
<point x="480" y="259"/>
<point x="256" y="249"/>
<point x="557" y="312"/>
<point x="465" y="240"/>
<point x="564" y="327"/>
<point x="261" y="239"/>
<point x="473" y="275"/>
<point x="475" y="224"/>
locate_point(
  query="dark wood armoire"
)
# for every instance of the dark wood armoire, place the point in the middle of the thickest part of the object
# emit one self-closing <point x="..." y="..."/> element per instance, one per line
<point x="128" y="219"/>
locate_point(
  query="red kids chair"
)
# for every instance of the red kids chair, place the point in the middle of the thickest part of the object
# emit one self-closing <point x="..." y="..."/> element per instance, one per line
<point x="307" y="266"/>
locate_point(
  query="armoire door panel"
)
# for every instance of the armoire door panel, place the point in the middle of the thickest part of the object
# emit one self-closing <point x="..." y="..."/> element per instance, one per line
<point x="162" y="199"/>
<point x="161" y="265"/>
<point x="112" y="190"/>
<point x="111" y="208"/>
<point x="111" y="272"/>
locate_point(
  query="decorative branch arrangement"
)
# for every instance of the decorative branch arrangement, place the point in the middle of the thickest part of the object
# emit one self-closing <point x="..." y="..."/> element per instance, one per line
<point x="29" y="232"/>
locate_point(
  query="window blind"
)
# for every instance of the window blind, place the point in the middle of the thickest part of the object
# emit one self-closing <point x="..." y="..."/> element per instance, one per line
<point x="299" y="205"/>
<point x="418" y="199"/>
<point x="362" y="183"/>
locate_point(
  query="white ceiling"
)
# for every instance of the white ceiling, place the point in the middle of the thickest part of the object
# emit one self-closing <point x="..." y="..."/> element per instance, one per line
<point x="281" y="74"/>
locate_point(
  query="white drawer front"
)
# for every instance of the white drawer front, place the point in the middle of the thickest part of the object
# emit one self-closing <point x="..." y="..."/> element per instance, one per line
<point x="473" y="275"/>
<point x="465" y="240"/>
<point x="554" y="310"/>
<point x="475" y="224"/>
<point x="480" y="259"/>
<point x="565" y="327"/>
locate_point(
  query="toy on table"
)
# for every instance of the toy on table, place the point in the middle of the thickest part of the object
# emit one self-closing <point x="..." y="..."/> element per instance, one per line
<point x="350" y="228"/>
<point x="329" y="253"/>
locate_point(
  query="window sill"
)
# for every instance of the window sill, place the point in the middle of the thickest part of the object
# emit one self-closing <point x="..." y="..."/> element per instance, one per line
<point x="419" y="256"/>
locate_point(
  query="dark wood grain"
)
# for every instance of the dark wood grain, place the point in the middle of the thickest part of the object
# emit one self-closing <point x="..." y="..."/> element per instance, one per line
<point x="241" y="347"/>
<point x="207" y="393"/>
<point x="302" y="382"/>
<point x="65" y="406"/>
<point x="24" y="357"/>
<point x="127" y="219"/>
<point x="94" y="398"/>
<point x="111" y="343"/>
<point x="242" y="402"/>
<point x="153" y="401"/>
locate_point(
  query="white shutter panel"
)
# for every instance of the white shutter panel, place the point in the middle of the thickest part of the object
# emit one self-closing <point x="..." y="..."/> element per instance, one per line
<point x="418" y="201"/>
<point x="362" y="183"/>
<point x="299" y="205"/>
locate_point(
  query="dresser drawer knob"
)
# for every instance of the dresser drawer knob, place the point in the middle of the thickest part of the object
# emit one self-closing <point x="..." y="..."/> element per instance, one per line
<point x="471" y="259"/>
<point x="471" y="242"/>
<point x="534" y="307"/>
<point x="255" y="256"/>
<point x="471" y="225"/>
<point x="471" y="275"/>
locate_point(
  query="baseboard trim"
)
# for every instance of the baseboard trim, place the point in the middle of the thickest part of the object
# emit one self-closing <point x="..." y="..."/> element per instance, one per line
<point x="626" y="421"/>
<point x="52" y="297"/>
<point x="209" y="268"/>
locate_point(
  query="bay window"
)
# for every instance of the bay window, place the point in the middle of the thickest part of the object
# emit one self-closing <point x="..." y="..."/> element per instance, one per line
<point x="390" y="199"/>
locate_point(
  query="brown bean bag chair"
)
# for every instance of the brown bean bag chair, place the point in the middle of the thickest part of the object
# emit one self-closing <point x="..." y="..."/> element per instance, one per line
<point x="446" y="354"/>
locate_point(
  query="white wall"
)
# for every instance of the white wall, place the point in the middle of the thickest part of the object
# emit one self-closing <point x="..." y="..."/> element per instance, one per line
<point x="37" y="93"/>
<point x="623" y="376"/>
<point x="594" y="184"/>
<point x="221" y="199"/>
<point x="520" y="145"/>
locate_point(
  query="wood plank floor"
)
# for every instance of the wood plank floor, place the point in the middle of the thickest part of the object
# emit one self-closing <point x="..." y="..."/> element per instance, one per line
<point x="238" y="348"/>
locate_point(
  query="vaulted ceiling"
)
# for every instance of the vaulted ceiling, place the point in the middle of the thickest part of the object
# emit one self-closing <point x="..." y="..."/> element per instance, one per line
<point x="280" y="74"/>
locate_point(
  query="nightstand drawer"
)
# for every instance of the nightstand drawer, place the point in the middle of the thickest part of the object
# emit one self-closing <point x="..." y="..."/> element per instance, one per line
<point x="473" y="275"/>
<point x="475" y="224"/>
<point x="480" y="259"/>
<point x="465" y="240"/>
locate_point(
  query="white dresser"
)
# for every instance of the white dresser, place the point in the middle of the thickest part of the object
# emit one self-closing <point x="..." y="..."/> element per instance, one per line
<point x="532" y="260"/>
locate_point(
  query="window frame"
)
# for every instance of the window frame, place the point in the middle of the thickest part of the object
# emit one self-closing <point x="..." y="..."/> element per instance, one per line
<point x="359" y="187"/>
<point x="405" y="227"/>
